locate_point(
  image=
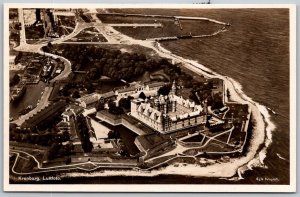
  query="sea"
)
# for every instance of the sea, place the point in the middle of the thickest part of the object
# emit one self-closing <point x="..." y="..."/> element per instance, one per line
<point x="255" y="53"/>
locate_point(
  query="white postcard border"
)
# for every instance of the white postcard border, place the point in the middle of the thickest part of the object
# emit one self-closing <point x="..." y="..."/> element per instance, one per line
<point x="154" y="187"/>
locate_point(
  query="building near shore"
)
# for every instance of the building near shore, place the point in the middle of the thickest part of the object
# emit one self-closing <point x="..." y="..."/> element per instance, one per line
<point x="168" y="113"/>
<point x="89" y="100"/>
<point x="68" y="122"/>
<point x="44" y="116"/>
<point x="218" y="87"/>
<point x="136" y="88"/>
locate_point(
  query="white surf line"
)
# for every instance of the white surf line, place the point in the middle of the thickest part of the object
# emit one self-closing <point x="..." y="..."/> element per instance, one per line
<point x="235" y="88"/>
<point x="280" y="157"/>
<point x="192" y="36"/>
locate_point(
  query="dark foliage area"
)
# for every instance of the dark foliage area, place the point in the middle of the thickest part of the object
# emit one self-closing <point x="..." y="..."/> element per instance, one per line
<point x="58" y="150"/>
<point x="43" y="138"/>
<point x="87" y="145"/>
<point x="112" y="63"/>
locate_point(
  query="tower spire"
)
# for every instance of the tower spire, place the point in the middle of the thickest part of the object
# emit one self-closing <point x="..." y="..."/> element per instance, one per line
<point x="173" y="89"/>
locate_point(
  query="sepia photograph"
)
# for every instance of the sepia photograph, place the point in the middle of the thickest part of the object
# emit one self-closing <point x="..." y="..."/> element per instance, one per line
<point x="149" y="98"/>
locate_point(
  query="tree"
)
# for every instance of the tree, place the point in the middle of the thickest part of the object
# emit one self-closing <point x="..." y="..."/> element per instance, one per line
<point x="76" y="94"/>
<point x="93" y="74"/>
<point x="113" y="135"/>
<point x="14" y="79"/>
<point x="89" y="87"/>
<point x="49" y="45"/>
<point x="100" y="105"/>
<point x="18" y="57"/>
<point x="125" y="102"/>
<point x="53" y="151"/>
<point x="228" y="93"/>
<point x="87" y="146"/>
<point x="217" y="102"/>
<point x="164" y="90"/>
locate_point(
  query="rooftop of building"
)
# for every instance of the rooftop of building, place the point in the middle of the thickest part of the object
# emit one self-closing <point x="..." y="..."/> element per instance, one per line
<point x="135" y="85"/>
<point x="107" y="94"/>
<point x="90" y="98"/>
<point x="44" y="114"/>
<point x="183" y="108"/>
<point x="72" y="110"/>
<point x="63" y="124"/>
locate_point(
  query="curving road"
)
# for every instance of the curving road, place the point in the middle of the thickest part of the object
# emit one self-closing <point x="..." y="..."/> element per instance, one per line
<point x="115" y="37"/>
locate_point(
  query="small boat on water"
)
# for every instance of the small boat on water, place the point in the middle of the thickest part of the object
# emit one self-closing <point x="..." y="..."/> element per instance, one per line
<point x="18" y="92"/>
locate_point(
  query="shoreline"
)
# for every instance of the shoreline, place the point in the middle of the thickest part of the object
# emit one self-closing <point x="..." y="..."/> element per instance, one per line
<point x="261" y="135"/>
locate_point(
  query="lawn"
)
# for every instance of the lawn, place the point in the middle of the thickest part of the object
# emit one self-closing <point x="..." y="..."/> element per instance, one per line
<point x="90" y="34"/>
<point x="170" y="26"/>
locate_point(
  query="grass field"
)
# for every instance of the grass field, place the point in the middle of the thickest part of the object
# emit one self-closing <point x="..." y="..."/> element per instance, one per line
<point x="88" y="35"/>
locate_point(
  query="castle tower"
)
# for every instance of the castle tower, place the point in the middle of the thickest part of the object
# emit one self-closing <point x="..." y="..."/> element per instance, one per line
<point x="156" y="105"/>
<point x="173" y="92"/>
<point x="205" y="109"/>
<point x="173" y="89"/>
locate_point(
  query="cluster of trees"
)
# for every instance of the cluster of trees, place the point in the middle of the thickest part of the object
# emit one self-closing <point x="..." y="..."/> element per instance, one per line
<point x="34" y="32"/>
<point x="14" y="79"/>
<point x="84" y="134"/>
<point x="13" y="13"/>
<point x="217" y="101"/>
<point x="125" y="102"/>
<point x="68" y="21"/>
<point x="58" y="150"/>
<point x="113" y="109"/>
<point x="116" y="65"/>
<point x="14" y="36"/>
<point x="86" y="17"/>
<point x="203" y="91"/>
<point x="18" y="57"/>
<point x="112" y="63"/>
<point x="45" y="138"/>
<point x="164" y="90"/>
<point x="15" y="26"/>
<point x="65" y="90"/>
<point x="113" y="135"/>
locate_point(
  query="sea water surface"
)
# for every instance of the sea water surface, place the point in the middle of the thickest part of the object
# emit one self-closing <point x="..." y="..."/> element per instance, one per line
<point x="255" y="52"/>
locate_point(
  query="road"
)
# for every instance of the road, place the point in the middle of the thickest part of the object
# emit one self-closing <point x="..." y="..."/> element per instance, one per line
<point x="80" y="166"/>
<point x="44" y="102"/>
<point x="113" y="37"/>
<point x="135" y="25"/>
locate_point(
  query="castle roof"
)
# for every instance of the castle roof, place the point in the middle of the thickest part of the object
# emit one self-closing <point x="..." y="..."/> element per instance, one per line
<point x="90" y="98"/>
<point x="146" y="109"/>
<point x="108" y="94"/>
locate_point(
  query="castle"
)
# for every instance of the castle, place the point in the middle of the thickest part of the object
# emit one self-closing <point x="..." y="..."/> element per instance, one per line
<point x="168" y="113"/>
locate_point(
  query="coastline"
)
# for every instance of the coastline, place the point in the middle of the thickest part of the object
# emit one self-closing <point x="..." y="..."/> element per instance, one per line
<point x="262" y="131"/>
<point x="261" y="134"/>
